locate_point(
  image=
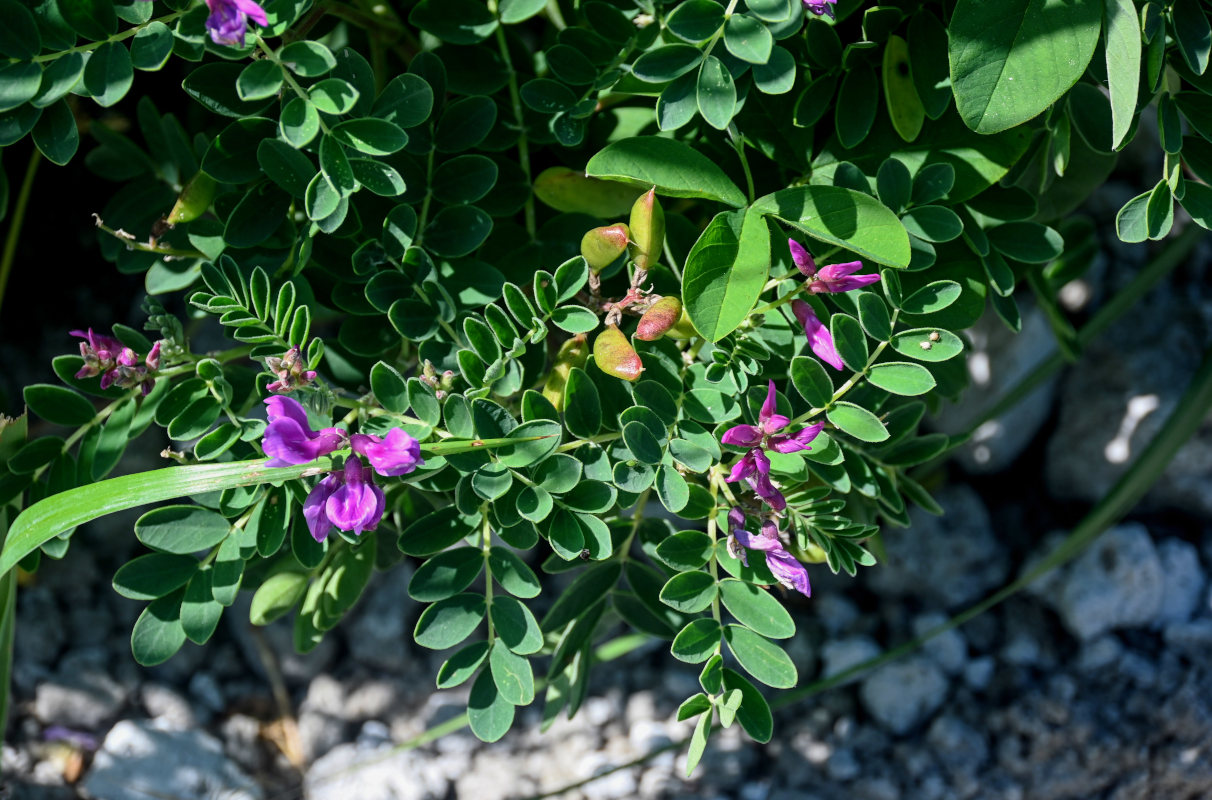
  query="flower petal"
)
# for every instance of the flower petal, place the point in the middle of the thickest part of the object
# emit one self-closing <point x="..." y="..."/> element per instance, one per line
<point x="313" y="507"/>
<point x="801" y="440"/>
<point x="278" y="407"/>
<point x="789" y="572"/>
<point x="397" y="454"/>
<point x="802" y="258"/>
<point x="742" y="436"/>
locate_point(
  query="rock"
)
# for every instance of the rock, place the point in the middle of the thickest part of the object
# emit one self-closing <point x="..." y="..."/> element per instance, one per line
<point x="1117" y="583"/>
<point x="206" y="690"/>
<point x="376" y="774"/>
<point x="837" y="613"/>
<point x="997" y="360"/>
<point x="948" y="649"/>
<point x="1099" y="653"/>
<point x="164" y="704"/>
<point x="1117" y="397"/>
<point x="80" y="700"/>
<point x="1191" y="639"/>
<point x="951" y="560"/>
<point x="843" y="766"/>
<point x="242" y="741"/>
<point x="140" y="759"/>
<point x="1184" y="584"/>
<point x="40" y="629"/>
<point x="959" y="747"/>
<point x="380" y="634"/>
<point x="979" y="672"/>
<point x="901" y="695"/>
<point x="842" y="654"/>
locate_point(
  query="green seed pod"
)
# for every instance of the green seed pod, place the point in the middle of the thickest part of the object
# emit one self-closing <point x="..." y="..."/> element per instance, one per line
<point x="194" y="199"/>
<point x="615" y="356"/>
<point x="601" y="246"/>
<point x="573" y="353"/>
<point x="647" y="229"/>
<point x="659" y="318"/>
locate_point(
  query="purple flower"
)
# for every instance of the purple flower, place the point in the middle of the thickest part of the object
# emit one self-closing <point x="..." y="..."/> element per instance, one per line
<point x="397" y="454"/>
<point x="833" y="278"/>
<point x="291" y="370"/>
<point x="348" y="499"/>
<point x="289" y="439"/>
<point x="100" y="353"/>
<point x="754" y="466"/>
<point x="229" y="18"/>
<point x="754" y="469"/>
<point x="117" y="364"/>
<point x="820" y="7"/>
<point x="818" y="335"/>
<point x="786" y="569"/>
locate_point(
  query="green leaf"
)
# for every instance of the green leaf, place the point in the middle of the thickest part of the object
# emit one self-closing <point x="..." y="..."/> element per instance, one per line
<point x="754" y="713"/>
<point x="698" y="743"/>
<point x="809" y="378"/>
<point x="582" y="407"/>
<point x="893" y="184"/>
<point x="108" y="75"/>
<point x="857" y="421"/>
<point x="695" y="20"/>
<point x="462" y="665"/>
<point x="406" y="101"/>
<point x="756" y="609"/>
<point x="448" y="622"/>
<point x="932" y="297"/>
<point x="850" y="341"/>
<point x="565" y="535"/>
<point x="748" y="39"/>
<point x="1121" y="33"/>
<point x="842" y="217"/>
<point x="696" y="642"/>
<point x="300" y="122"/>
<point x="333" y="96"/>
<point x="1029" y="242"/>
<point x="465" y="123"/>
<point x="927" y="344"/>
<point x="715" y="93"/>
<point x="157" y="634"/>
<point x="19" y="37"/>
<point x="92" y="19"/>
<point x="1193" y="33"/>
<point x="574" y="319"/>
<point x="334" y="165"/>
<point x="589" y="587"/>
<point x="686" y="550"/>
<point x="454" y="21"/>
<point x="857" y="101"/>
<point x="515" y="626"/>
<point x="231" y="157"/>
<point x="642" y="444"/>
<point x="55" y="134"/>
<point x="725" y="272"/>
<point x="488" y="712"/>
<point x="59" y="78"/>
<point x="674" y="168"/>
<point x="259" y="80"/>
<point x="512" y="675"/>
<point x="1197" y="201"/>
<point x="376" y="137"/>
<point x="464" y="179"/>
<point x="181" y="529"/>
<point x="154" y="575"/>
<point x="689" y="592"/>
<point x="776" y="76"/>
<point x="309" y="59"/>
<point x="761" y="658"/>
<point x="515" y="11"/>
<point x="512" y="573"/>
<point x="901" y="377"/>
<point x="544" y="436"/>
<point x="458" y="231"/>
<point x="1011" y="60"/>
<point x="19" y="83"/>
<point x="672" y="489"/>
<point x="434" y="532"/>
<point x="58" y="404"/>
<point x="933" y="223"/>
<point x="905" y="107"/>
<point x="200" y="613"/>
<point x="446" y="574"/>
<point x="667" y="62"/>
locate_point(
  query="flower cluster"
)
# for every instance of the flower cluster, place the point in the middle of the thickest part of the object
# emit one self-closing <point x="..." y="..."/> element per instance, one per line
<point x="291" y="371"/>
<point x="820" y="7"/>
<point x="754" y="466"/>
<point x="827" y="280"/>
<point x="348" y="497"/>
<point x="117" y="364"/>
<point x="784" y="566"/>
<point x="228" y="20"/>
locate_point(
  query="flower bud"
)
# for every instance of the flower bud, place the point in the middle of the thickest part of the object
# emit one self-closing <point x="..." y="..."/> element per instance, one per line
<point x="615" y="356"/>
<point x="573" y="353"/>
<point x="647" y="229"/>
<point x="601" y="246"/>
<point x="194" y="199"/>
<point x="659" y="318"/>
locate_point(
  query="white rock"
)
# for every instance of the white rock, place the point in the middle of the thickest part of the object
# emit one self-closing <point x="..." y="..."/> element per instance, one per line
<point x="901" y="695"/>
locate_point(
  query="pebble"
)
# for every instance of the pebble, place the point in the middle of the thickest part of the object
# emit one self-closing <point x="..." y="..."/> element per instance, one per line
<point x="842" y="654"/>
<point x="379" y="634"/>
<point x="1117" y="583"/>
<point x="948" y="649"/>
<point x="903" y="694"/>
<point x="1184" y="582"/>
<point x="80" y="700"/>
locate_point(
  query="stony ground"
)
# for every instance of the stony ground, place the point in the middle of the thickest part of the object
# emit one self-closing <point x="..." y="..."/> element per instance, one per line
<point x="1097" y="683"/>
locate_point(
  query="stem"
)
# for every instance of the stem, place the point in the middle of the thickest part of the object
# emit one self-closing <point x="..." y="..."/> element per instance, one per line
<point x="423" y="219"/>
<point x="286" y="74"/>
<point x="715" y="37"/>
<point x="117" y="37"/>
<point x="485" y="547"/>
<point x="132" y="244"/>
<point x="14" y="228"/>
<point x="738" y="142"/>
<point x="515" y="100"/>
<point x="601" y="437"/>
<point x="714" y="562"/>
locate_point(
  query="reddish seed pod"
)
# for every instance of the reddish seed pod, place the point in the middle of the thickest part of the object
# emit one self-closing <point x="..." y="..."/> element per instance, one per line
<point x="601" y="246"/>
<point x="659" y="318"/>
<point x="615" y="356"/>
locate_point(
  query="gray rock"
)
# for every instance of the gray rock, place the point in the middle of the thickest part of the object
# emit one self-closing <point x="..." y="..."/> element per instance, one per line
<point x="843" y="765"/>
<point x="1117" y="583"/>
<point x="206" y="690"/>
<point x="164" y="704"/>
<point x="40" y="629"/>
<point x="836" y="612"/>
<point x="979" y="672"/>
<point x="959" y="747"/>
<point x="950" y="560"/>
<point x="1099" y="653"/>
<point x="997" y="360"/>
<point x="376" y="774"/>
<point x="1192" y="639"/>
<point x="242" y="741"/>
<point x="380" y="634"/>
<point x="841" y="654"/>
<point x="83" y="700"/>
<point x="139" y="759"/>
<point x="1184" y="584"/>
<point x="901" y="695"/>
<point x="948" y="649"/>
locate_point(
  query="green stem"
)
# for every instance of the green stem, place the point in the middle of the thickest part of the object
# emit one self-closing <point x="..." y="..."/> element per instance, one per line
<point x="715" y="37"/>
<point x="739" y="144"/>
<point x="601" y="437"/>
<point x="117" y="37"/>
<point x="515" y="100"/>
<point x="286" y="74"/>
<point x="485" y="547"/>
<point x="132" y="244"/>
<point x="423" y="219"/>
<point x="14" y="227"/>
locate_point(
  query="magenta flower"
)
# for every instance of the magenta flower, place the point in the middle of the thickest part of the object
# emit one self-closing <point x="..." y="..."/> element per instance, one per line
<point x="291" y="371"/>
<point x="348" y="499"/>
<point x="397" y="454"/>
<point x="833" y="278"/>
<point x="117" y="364"/>
<point x="100" y="353"/>
<point x="786" y="569"/>
<point x="228" y="20"/>
<point x="820" y="7"/>
<point x="754" y="469"/>
<point x="289" y="439"/>
<point x="766" y="432"/>
<point x="818" y="335"/>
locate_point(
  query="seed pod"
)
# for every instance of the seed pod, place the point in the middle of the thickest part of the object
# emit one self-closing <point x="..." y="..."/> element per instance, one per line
<point x="615" y="356"/>
<point x="601" y="246"/>
<point x="195" y="198"/>
<point x="573" y="353"/>
<point x="659" y="318"/>
<point x="647" y="229"/>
